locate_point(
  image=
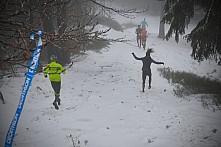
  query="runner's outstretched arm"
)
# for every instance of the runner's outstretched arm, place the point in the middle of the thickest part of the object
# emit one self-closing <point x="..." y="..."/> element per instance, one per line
<point x="136" y="57"/>
<point x="157" y="62"/>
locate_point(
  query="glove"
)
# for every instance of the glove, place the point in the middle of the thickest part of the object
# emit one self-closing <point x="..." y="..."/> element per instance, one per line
<point x="46" y="76"/>
<point x="163" y="63"/>
<point x="132" y="53"/>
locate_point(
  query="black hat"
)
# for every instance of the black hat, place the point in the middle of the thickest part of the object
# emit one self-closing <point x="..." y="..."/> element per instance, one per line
<point x="150" y="50"/>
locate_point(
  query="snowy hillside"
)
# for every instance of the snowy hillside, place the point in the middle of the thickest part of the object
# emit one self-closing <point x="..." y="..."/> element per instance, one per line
<point x="102" y="104"/>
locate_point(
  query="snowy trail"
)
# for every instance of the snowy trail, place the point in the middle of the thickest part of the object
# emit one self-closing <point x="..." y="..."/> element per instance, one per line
<point x="102" y="105"/>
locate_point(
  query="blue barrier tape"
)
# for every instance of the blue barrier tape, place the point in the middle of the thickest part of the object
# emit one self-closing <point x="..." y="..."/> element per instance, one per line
<point x="30" y="74"/>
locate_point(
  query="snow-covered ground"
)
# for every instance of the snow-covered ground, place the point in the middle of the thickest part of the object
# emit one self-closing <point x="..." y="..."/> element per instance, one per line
<point x="102" y="105"/>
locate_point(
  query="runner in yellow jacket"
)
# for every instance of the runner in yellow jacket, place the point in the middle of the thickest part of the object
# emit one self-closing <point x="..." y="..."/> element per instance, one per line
<point x="54" y="70"/>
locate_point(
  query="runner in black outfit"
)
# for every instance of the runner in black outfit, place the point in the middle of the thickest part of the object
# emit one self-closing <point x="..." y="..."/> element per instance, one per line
<point x="138" y="32"/>
<point x="147" y="60"/>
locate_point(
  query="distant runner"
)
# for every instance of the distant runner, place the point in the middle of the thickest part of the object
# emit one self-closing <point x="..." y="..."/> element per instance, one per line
<point x="146" y="70"/>
<point x="144" y="24"/>
<point x="138" y="32"/>
<point x="143" y="37"/>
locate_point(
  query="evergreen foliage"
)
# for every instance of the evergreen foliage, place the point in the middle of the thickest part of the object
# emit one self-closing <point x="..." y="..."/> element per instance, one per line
<point x="97" y="45"/>
<point x="107" y="21"/>
<point x="205" y="38"/>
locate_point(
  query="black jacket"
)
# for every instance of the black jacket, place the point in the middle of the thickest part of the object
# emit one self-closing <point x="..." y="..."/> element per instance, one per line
<point x="138" y="31"/>
<point x="147" y="60"/>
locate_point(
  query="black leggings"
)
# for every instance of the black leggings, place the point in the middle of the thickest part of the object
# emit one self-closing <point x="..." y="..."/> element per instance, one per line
<point x="139" y="40"/>
<point x="56" y="86"/>
<point x="144" y="75"/>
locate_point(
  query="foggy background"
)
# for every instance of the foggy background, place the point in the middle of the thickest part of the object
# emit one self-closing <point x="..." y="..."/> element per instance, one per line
<point x="153" y="5"/>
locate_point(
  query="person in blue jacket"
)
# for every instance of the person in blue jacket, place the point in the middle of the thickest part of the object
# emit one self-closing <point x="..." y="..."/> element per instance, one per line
<point x="146" y="70"/>
<point x="144" y="24"/>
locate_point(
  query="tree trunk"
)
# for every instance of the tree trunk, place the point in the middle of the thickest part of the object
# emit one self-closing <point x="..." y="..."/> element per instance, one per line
<point x="49" y="28"/>
<point x="161" y="28"/>
<point x="64" y="55"/>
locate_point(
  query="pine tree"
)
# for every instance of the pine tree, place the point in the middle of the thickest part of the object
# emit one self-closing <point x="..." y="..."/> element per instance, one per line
<point x="205" y="38"/>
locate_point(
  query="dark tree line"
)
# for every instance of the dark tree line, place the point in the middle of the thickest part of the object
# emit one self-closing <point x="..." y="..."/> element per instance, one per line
<point x="20" y="18"/>
<point x="67" y="25"/>
<point x="205" y="38"/>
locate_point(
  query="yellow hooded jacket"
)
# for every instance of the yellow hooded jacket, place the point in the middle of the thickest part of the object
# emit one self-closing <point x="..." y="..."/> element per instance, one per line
<point x="54" y="70"/>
